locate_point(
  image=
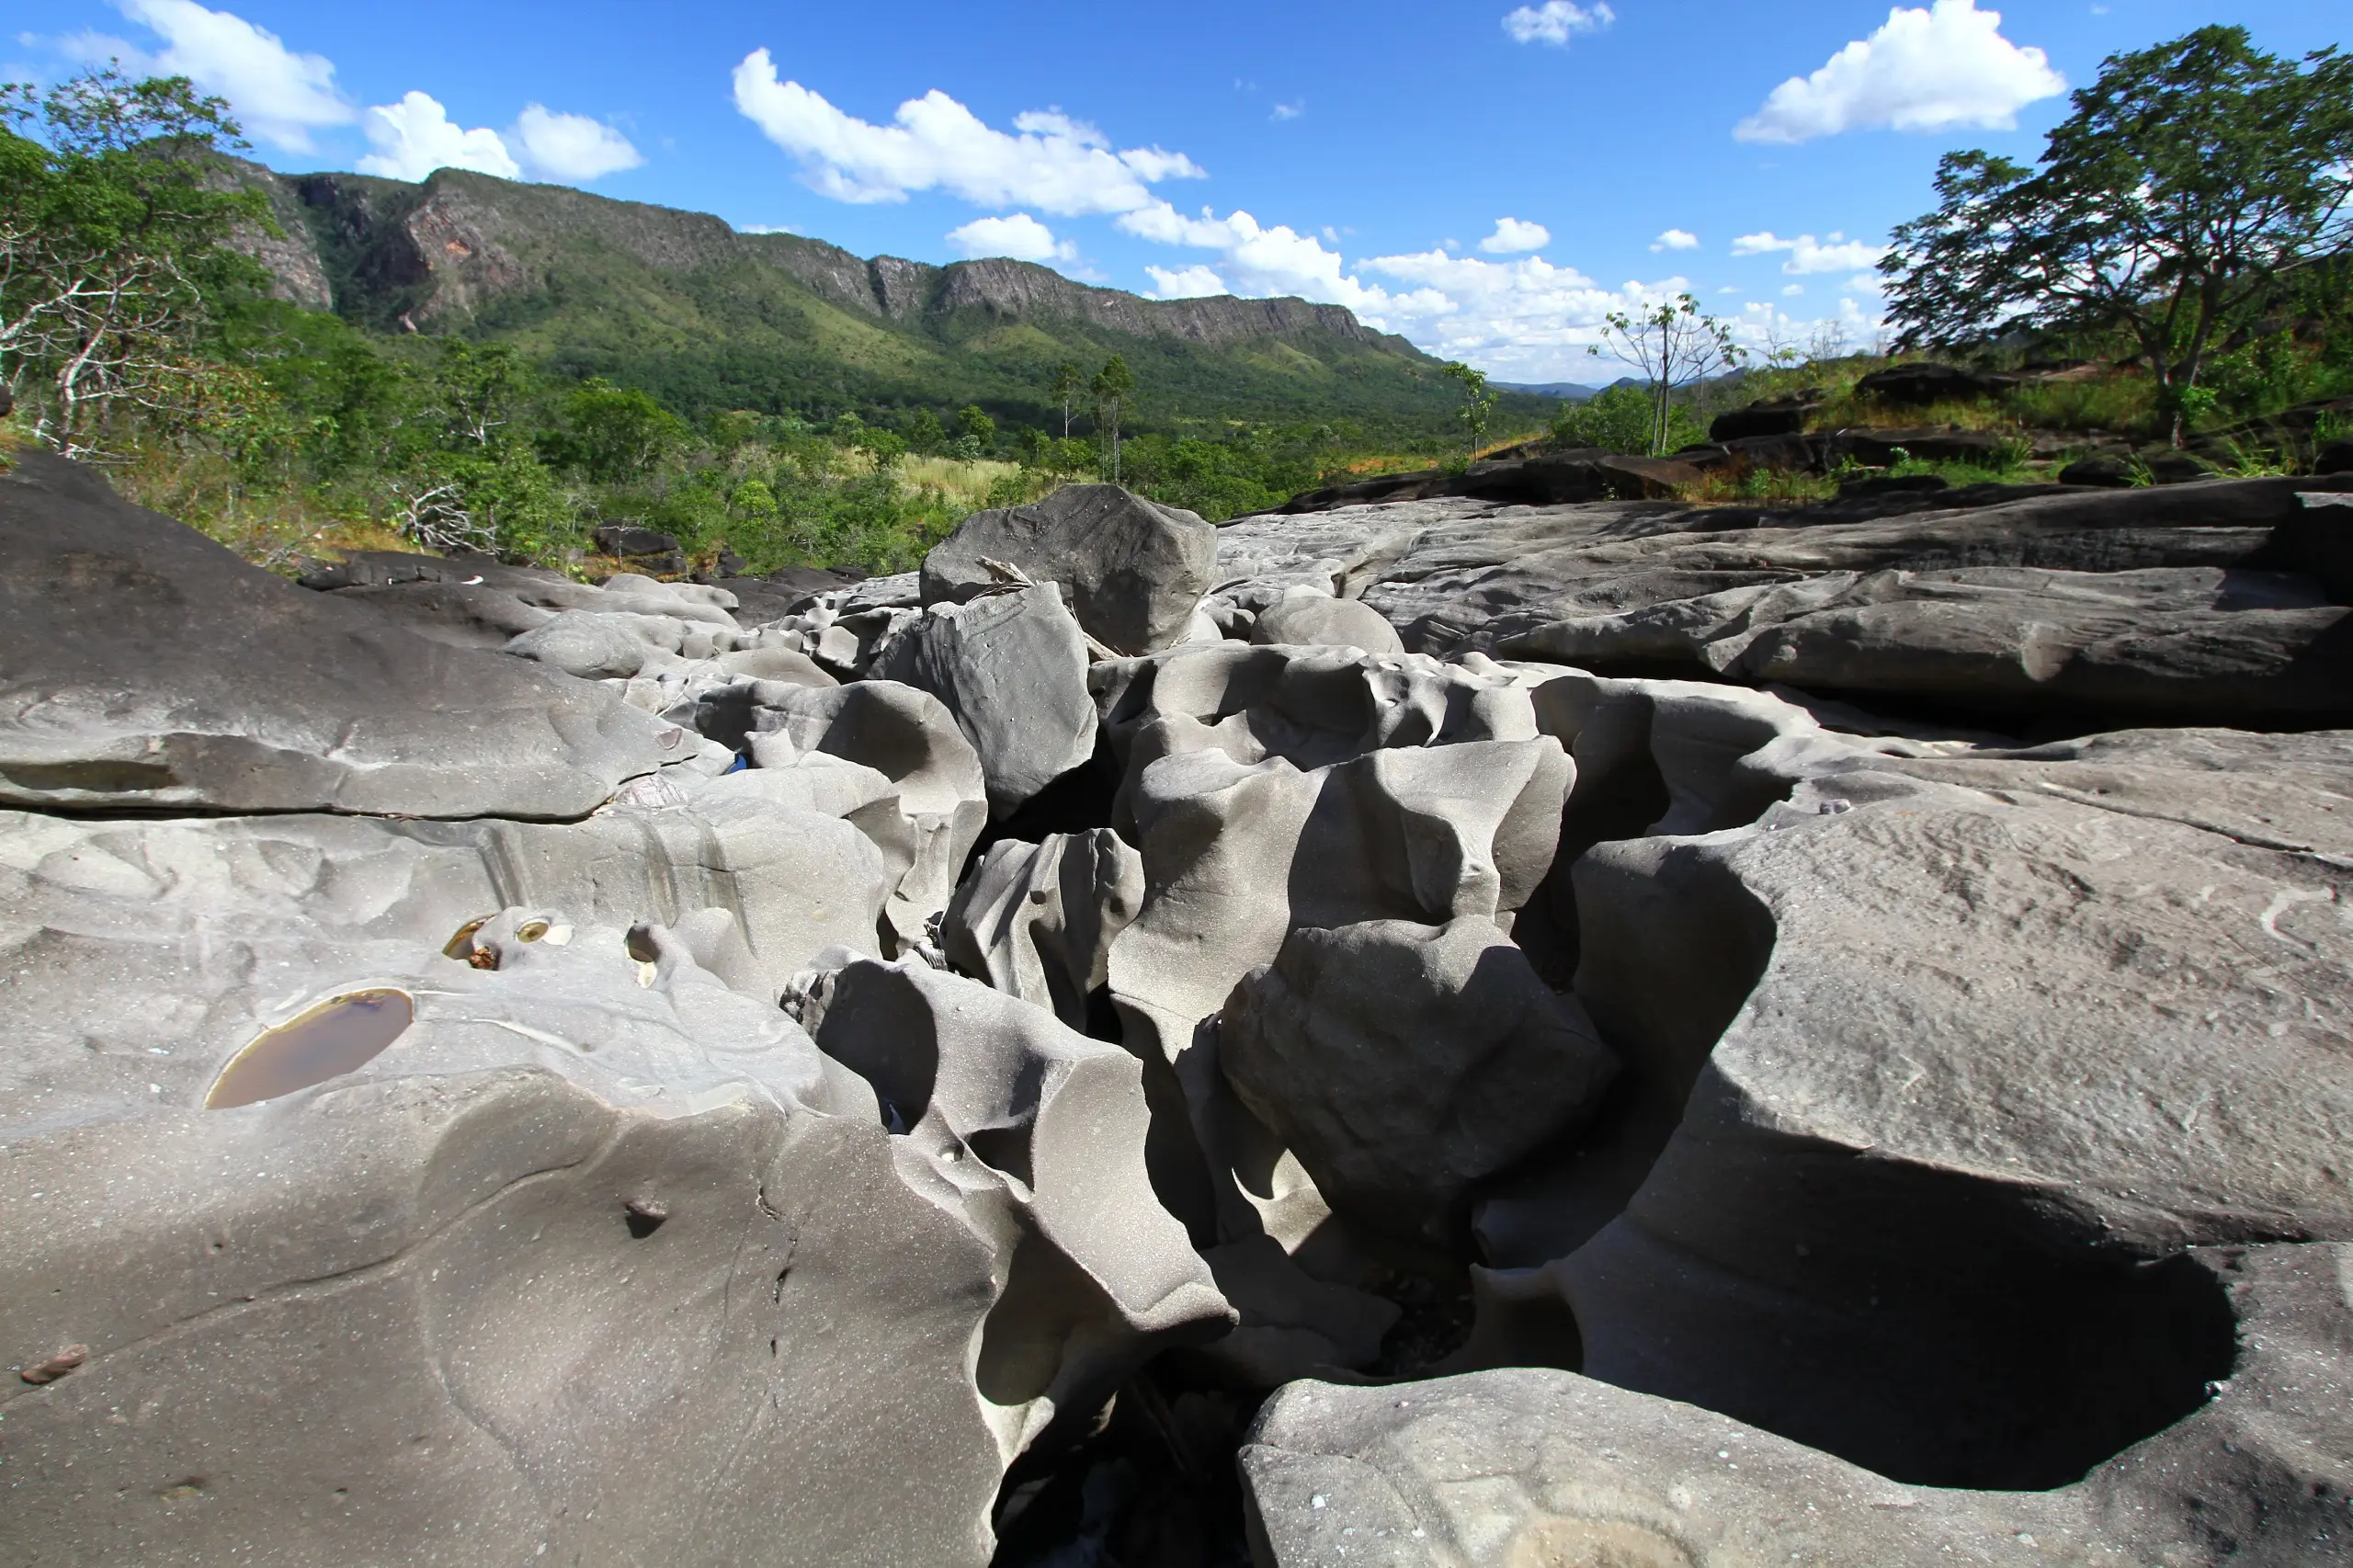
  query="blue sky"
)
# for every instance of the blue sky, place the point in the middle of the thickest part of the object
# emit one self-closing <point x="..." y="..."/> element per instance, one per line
<point x="1486" y="178"/>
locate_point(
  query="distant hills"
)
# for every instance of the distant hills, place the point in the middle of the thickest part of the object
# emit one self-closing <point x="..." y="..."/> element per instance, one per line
<point x="1563" y="391"/>
<point x="705" y="317"/>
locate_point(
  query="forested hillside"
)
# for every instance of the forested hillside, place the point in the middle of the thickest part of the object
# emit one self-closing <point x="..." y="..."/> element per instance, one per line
<point x="707" y="319"/>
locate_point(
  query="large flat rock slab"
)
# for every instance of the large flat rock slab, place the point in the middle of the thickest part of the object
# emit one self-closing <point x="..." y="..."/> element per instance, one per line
<point x="144" y="666"/>
<point x="1523" y="1468"/>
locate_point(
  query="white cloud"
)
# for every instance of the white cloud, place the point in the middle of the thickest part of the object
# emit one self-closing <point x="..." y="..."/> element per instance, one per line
<point x="1676" y="239"/>
<point x="1512" y="236"/>
<point x="1020" y="236"/>
<point x="572" y="146"/>
<point x="280" y="97"/>
<point x="416" y="136"/>
<point x="1049" y="161"/>
<point x="1808" y="254"/>
<point x="1183" y="282"/>
<point x="1791" y="290"/>
<point x="1556" y="20"/>
<point x="1939" y="69"/>
<point x="1289" y="111"/>
<point x="766" y="229"/>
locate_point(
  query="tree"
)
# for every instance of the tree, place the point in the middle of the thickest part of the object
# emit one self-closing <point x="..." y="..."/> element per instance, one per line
<point x="1112" y="386"/>
<point x="975" y="431"/>
<point x="923" y="433"/>
<point x="475" y="389"/>
<point x="114" y="231"/>
<point x="1672" y="344"/>
<point x="614" y="435"/>
<point x="2192" y="182"/>
<point x="1478" y="402"/>
<point x="1066" y="386"/>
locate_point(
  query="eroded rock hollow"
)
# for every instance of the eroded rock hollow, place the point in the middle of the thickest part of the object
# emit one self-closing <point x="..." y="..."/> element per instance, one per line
<point x="1434" y="1032"/>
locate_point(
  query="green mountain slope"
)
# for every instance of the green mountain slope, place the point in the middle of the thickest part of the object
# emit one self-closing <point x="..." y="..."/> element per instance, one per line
<point x="705" y="318"/>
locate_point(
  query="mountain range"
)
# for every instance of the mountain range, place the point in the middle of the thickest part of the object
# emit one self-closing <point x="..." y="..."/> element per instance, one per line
<point x="705" y="317"/>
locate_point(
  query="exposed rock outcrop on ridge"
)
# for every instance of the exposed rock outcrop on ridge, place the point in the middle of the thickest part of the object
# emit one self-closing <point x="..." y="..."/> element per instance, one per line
<point x="1764" y="1037"/>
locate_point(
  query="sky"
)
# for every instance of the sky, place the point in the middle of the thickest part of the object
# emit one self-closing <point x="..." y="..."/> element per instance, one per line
<point x="1486" y="177"/>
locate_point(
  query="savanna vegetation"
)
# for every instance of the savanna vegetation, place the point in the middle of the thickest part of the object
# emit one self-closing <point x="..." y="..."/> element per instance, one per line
<point x="136" y="332"/>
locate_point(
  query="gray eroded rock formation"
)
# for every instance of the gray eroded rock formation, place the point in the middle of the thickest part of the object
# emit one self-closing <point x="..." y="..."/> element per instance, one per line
<point x="1402" y="1063"/>
<point x="1011" y="665"/>
<point x="1647" y="1122"/>
<point x="909" y="741"/>
<point x="1132" y="568"/>
<point x="1520" y="1467"/>
<point x="144" y="666"/>
<point x="1037" y="921"/>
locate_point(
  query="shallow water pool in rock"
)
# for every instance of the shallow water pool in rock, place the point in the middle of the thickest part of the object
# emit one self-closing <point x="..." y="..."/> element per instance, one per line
<point x="338" y="1036"/>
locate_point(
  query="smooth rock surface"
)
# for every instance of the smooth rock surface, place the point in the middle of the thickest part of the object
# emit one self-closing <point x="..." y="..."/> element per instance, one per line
<point x="141" y="666"/>
<point x="1402" y="1063"/>
<point x="1011" y="666"/>
<point x="1514" y="1468"/>
<point x="1132" y="568"/>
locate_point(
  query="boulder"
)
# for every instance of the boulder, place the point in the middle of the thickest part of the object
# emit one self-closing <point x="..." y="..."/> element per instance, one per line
<point x="2186" y="641"/>
<point x="1775" y="416"/>
<point x="1235" y="857"/>
<point x="598" y="645"/>
<point x="144" y="666"/>
<point x="2337" y="457"/>
<point x="1897" y="1107"/>
<point x="655" y="553"/>
<point x="998" y="1101"/>
<point x="939" y="803"/>
<point x="1037" y="920"/>
<point x="1402" y="1063"/>
<point x="1522" y="1467"/>
<point x="473" y="601"/>
<point x="1133" y="569"/>
<point x="1011" y="665"/>
<point x="1917" y="385"/>
<point x="2107" y="472"/>
<point x="1320" y="620"/>
<point x="1935" y="444"/>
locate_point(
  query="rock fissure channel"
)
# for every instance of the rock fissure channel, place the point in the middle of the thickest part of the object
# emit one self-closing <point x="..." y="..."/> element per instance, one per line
<point x="1428" y="1032"/>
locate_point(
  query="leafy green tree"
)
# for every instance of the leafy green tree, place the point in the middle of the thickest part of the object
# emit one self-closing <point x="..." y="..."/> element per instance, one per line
<point x="1673" y="344"/>
<point x="1113" y="385"/>
<point x="975" y="432"/>
<point x="753" y="499"/>
<point x="614" y="434"/>
<point x="925" y="433"/>
<point x="1624" y="418"/>
<point x="1064" y="389"/>
<point x="885" y="447"/>
<point x="475" y="388"/>
<point x="2190" y="183"/>
<point x="509" y="492"/>
<point x="1478" y="402"/>
<point x="115" y="236"/>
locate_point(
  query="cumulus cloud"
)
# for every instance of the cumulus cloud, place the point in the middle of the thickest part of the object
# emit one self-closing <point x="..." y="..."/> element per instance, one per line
<point x="1183" y="282"/>
<point x="1676" y="239"/>
<point x="416" y="136"/>
<point x="280" y="97"/>
<point x="1939" y="69"/>
<point x="1807" y="254"/>
<point x="1048" y="161"/>
<point x="1556" y="20"/>
<point x="572" y="146"/>
<point x="1512" y="236"/>
<point x="1020" y="236"/>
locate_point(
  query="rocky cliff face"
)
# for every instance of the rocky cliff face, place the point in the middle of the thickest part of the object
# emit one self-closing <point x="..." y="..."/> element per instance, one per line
<point x="382" y="249"/>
